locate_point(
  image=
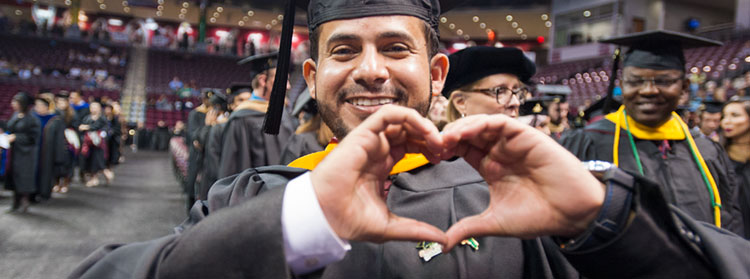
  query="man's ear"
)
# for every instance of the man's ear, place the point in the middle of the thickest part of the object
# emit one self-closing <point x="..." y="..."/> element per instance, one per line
<point x="439" y="65"/>
<point x="309" y="69"/>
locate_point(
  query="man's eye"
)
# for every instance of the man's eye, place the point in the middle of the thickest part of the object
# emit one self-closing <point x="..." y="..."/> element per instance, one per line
<point x="342" y="51"/>
<point x="396" y="48"/>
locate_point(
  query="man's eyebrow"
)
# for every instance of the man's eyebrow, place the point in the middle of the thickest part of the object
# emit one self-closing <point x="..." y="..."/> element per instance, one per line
<point x="341" y="37"/>
<point x="396" y="35"/>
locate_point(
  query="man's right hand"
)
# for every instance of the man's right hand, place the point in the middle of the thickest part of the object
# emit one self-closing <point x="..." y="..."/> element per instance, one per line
<point x="349" y="181"/>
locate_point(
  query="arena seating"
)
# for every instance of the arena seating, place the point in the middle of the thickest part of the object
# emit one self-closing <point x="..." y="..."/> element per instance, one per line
<point x="206" y="70"/>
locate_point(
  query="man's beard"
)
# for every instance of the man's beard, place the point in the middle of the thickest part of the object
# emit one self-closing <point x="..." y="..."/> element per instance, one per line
<point x="336" y="123"/>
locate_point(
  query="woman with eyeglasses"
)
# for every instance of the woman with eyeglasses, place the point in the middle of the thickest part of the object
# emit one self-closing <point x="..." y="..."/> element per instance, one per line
<point x="486" y="80"/>
<point x="735" y="125"/>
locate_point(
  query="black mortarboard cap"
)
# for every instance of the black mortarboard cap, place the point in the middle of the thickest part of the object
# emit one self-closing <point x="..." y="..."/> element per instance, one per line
<point x="534" y="106"/>
<point x="658" y="49"/>
<point x="239" y="87"/>
<point x="711" y="106"/>
<point x="322" y="11"/>
<point x="260" y="62"/>
<point x="219" y="99"/>
<point x="474" y="63"/>
<point x="555" y="93"/>
<point x="305" y="103"/>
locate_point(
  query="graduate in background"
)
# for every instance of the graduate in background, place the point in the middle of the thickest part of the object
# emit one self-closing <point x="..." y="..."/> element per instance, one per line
<point x="214" y="139"/>
<point x="311" y="136"/>
<point x="114" y="139"/>
<point x="94" y="145"/>
<point x="735" y="126"/>
<point x="244" y="144"/>
<point x="23" y="134"/>
<point x="486" y="80"/>
<point x="53" y="152"/>
<point x="534" y="113"/>
<point x="709" y="119"/>
<point x="195" y="128"/>
<point x="72" y="142"/>
<point x="645" y="135"/>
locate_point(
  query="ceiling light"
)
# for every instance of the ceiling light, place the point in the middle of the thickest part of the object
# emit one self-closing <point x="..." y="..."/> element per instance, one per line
<point x="519" y="31"/>
<point x="158" y="13"/>
<point x="443" y="19"/>
<point x="548" y="23"/>
<point x="524" y="37"/>
<point x="182" y="16"/>
<point x="68" y="2"/>
<point x="250" y="13"/>
<point x="467" y="37"/>
<point x="268" y="27"/>
<point x="126" y="9"/>
<point x="482" y="25"/>
<point x="212" y="20"/>
<point x="183" y="11"/>
<point x="545" y="17"/>
<point x="460" y="32"/>
<point x="274" y="22"/>
<point x="124" y="3"/>
<point x="509" y="18"/>
<point x="185" y="4"/>
<point x="161" y="8"/>
<point x="475" y="19"/>
<point x="280" y="17"/>
<point x="161" y="2"/>
<point x="245" y="18"/>
<point x="216" y="14"/>
<point x="102" y="6"/>
<point x="19" y="12"/>
<point x="451" y="26"/>
<point x="586" y="13"/>
<point x="241" y="23"/>
<point x="514" y="24"/>
<point x="220" y="9"/>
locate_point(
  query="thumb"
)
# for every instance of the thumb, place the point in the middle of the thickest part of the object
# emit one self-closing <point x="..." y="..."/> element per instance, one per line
<point x="407" y="229"/>
<point x="473" y="226"/>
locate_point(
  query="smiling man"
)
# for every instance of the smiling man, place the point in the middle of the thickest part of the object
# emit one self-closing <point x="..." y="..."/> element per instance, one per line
<point x="499" y="188"/>
<point x="647" y="137"/>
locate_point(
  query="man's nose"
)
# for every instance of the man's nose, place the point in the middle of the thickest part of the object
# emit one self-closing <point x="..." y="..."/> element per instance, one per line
<point x="371" y="70"/>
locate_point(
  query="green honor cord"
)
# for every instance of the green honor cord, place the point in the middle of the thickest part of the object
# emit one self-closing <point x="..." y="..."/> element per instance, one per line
<point x="692" y="152"/>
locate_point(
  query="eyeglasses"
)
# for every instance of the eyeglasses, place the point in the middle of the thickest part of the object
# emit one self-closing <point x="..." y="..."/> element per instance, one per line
<point x="640" y="83"/>
<point x="503" y="94"/>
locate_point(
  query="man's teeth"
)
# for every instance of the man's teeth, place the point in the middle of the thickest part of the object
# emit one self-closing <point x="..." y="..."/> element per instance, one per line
<point x="370" y="102"/>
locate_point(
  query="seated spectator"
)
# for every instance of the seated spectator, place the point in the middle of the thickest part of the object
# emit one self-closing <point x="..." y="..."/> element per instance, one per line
<point x="100" y="74"/>
<point x="25" y="72"/>
<point x="178" y="105"/>
<point x="114" y="60"/>
<point x="90" y="82"/>
<point x="163" y="104"/>
<point x="194" y="91"/>
<point x="72" y="55"/>
<point x="74" y="72"/>
<point x="37" y="71"/>
<point x="98" y="59"/>
<point x="6" y="68"/>
<point x="110" y="83"/>
<point x="160" y="137"/>
<point x="175" y="84"/>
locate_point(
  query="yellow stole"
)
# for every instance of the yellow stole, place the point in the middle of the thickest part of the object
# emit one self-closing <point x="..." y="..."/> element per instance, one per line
<point x="409" y="162"/>
<point x="671" y="130"/>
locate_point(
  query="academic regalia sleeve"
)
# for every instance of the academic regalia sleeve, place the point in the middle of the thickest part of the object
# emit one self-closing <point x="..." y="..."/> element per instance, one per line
<point x="59" y="148"/>
<point x="30" y="134"/>
<point x="241" y="238"/>
<point x="580" y="144"/>
<point x="663" y="242"/>
<point x="237" y="150"/>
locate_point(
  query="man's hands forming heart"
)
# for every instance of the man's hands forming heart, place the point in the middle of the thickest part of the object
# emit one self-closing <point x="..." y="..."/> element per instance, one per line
<point x="536" y="186"/>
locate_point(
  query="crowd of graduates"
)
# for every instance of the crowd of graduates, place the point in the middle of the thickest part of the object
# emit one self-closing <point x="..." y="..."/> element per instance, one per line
<point x="49" y="136"/>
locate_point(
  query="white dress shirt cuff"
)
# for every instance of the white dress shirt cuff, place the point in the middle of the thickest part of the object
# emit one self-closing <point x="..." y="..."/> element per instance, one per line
<point x="309" y="241"/>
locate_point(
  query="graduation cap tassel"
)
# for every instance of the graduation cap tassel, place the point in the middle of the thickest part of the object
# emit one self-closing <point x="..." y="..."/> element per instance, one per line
<point x="276" y="103"/>
<point x="610" y="102"/>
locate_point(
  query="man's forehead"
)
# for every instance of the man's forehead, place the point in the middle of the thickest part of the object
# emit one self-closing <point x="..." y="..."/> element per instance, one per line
<point x="358" y="28"/>
<point x="650" y="72"/>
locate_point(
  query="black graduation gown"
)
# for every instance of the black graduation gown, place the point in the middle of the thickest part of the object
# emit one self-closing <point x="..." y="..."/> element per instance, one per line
<point x="677" y="174"/>
<point x="300" y="145"/>
<point x="211" y="160"/>
<point x="67" y="168"/>
<point x="160" y="139"/>
<point x="53" y="155"/>
<point x="23" y="153"/>
<point x="114" y="139"/>
<point x="143" y="139"/>
<point x="96" y="159"/>
<point x="195" y="127"/>
<point x="743" y="182"/>
<point x="235" y="235"/>
<point x="246" y="146"/>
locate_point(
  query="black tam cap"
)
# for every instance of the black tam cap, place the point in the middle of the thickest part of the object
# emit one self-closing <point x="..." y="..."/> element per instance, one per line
<point x="711" y="106"/>
<point x="555" y="93"/>
<point x="239" y="87"/>
<point x="260" y="62"/>
<point x="219" y="99"/>
<point x="534" y="106"/>
<point x="471" y="64"/>
<point x="659" y="49"/>
<point x="322" y="11"/>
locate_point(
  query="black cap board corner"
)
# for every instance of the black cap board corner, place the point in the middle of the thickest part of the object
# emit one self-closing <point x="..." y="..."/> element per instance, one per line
<point x="239" y="87"/>
<point x="322" y="11"/>
<point x="260" y="62"/>
<point x="711" y="106"/>
<point x="474" y="63"/>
